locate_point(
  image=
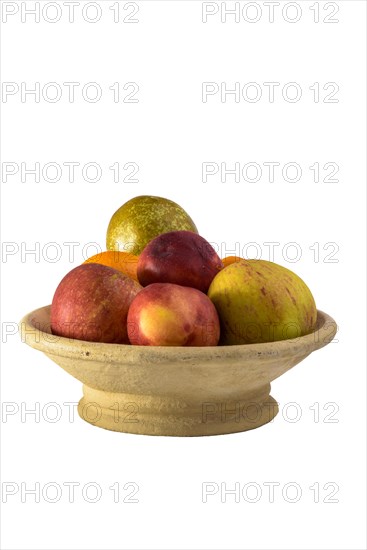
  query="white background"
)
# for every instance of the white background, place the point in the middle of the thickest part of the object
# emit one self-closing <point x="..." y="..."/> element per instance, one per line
<point x="169" y="133"/>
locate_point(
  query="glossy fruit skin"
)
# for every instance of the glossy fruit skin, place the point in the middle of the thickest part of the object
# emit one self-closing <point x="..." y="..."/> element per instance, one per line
<point x="122" y="261"/>
<point x="141" y="219"/>
<point x="91" y="303"/>
<point x="165" y="314"/>
<point x="260" y="301"/>
<point x="179" y="257"/>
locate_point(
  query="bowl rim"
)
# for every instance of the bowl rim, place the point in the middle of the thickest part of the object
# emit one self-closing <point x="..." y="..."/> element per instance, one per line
<point x="44" y="341"/>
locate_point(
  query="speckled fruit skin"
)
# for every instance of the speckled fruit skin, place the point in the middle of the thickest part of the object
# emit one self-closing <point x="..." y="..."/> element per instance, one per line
<point x="259" y="301"/>
<point x="180" y="257"/>
<point x="91" y="303"/>
<point x="165" y="314"/>
<point x="141" y="219"/>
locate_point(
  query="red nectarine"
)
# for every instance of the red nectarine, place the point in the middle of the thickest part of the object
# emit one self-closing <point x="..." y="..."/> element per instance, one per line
<point x="165" y="314"/>
<point x="91" y="303"/>
<point x="180" y="257"/>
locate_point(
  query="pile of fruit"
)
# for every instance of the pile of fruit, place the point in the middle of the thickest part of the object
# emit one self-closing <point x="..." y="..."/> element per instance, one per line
<point x="161" y="284"/>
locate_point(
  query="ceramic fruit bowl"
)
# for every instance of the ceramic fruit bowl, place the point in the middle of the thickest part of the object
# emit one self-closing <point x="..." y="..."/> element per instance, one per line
<point x="177" y="391"/>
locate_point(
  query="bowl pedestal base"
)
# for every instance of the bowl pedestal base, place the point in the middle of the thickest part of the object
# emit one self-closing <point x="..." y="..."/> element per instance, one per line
<point x="167" y="415"/>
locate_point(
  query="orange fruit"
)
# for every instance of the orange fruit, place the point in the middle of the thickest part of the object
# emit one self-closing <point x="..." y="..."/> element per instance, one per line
<point x="231" y="260"/>
<point x="122" y="261"/>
